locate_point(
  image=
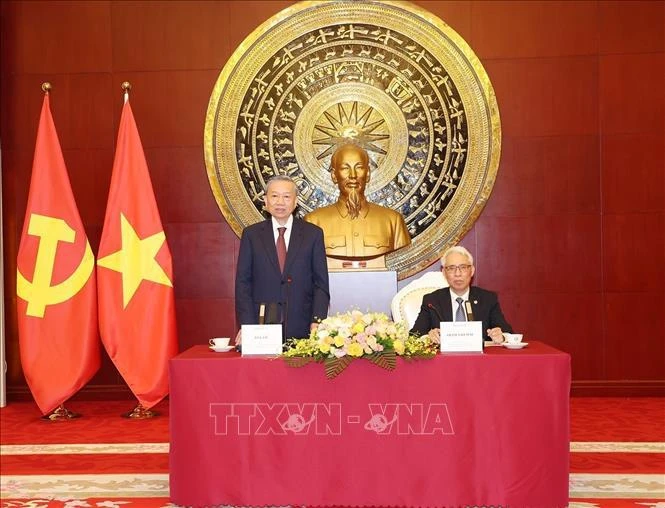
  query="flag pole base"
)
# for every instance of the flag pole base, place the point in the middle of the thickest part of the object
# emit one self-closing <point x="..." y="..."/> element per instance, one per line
<point x="61" y="414"/>
<point x="140" y="413"/>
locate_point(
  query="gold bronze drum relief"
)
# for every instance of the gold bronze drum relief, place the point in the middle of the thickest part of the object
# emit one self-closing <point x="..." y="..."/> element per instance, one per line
<point x="389" y="76"/>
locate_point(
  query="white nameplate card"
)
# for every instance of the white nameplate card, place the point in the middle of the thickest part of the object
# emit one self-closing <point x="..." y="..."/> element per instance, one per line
<point x="261" y="340"/>
<point x="461" y="336"/>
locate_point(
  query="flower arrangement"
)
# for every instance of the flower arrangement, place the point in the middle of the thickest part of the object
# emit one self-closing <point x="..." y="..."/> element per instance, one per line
<point x="340" y="339"/>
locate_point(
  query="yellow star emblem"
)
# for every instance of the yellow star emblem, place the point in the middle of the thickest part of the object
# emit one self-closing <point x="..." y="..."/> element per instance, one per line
<point x="136" y="260"/>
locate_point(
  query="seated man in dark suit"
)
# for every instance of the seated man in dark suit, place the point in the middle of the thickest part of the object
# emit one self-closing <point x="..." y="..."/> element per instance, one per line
<point x="282" y="264"/>
<point x="448" y="304"/>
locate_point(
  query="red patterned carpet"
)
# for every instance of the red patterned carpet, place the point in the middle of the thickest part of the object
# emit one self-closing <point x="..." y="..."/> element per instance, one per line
<point x="102" y="460"/>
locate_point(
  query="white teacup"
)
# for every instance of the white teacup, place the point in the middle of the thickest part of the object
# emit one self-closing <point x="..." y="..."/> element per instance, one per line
<point x="219" y="342"/>
<point x="513" y="338"/>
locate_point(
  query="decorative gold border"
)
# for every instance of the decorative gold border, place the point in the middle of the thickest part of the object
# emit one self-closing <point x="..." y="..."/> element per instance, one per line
<point x="466" y="71"/>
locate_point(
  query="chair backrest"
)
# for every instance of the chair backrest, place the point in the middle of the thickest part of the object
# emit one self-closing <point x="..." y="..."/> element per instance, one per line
<point x="406" y="303"/>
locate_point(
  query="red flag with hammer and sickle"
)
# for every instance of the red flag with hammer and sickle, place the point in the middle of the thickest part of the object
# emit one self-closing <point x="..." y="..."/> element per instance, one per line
<point x="134" y="272"/>
<point x="57" y="300"/>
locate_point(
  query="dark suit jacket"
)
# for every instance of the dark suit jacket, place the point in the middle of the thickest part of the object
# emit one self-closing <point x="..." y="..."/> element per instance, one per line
<point x="301" y="292"/>
<point x="485" y="305"/>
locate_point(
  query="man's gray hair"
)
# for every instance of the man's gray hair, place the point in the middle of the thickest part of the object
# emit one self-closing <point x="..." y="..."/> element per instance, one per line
<point x="281" y="178"/>
<point x="459" y="250"/>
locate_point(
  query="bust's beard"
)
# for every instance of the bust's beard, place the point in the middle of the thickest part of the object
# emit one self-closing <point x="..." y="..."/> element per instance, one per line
<point x="354" y="203"/>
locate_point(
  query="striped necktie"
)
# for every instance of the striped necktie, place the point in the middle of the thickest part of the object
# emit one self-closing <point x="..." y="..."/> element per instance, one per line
<point x="459" y="313"/>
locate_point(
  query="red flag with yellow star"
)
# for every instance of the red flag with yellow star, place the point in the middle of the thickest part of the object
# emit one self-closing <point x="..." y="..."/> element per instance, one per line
<point x="55" y="281"/>
<point x="134" y="274"/>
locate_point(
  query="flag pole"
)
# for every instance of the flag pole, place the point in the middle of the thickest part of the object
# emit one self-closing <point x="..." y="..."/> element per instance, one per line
<point x="140" y="412"/>
<point x="61" y="413"/>
<point x="126" y="86"/>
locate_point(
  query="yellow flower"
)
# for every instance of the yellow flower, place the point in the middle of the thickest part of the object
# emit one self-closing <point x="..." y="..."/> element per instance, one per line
<point x="339" y="341"/>
<point x="358" y="327"/>
<point x="399" y="346"/>
<point x="355" y="349"/>
<point x="344" y="332"/>
<point x="325" y="348"/>
<point x="356" y="314"/>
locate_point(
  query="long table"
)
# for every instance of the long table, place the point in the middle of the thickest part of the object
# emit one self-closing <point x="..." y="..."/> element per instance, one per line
<point x="460" y="429"/>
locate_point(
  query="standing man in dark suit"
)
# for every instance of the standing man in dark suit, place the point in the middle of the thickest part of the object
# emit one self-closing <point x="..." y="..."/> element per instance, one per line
<point x="448" y="304"/>
<point x="282" y="265"/>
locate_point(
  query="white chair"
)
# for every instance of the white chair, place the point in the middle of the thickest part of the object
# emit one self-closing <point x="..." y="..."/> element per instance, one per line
<point x="406" y="303"/>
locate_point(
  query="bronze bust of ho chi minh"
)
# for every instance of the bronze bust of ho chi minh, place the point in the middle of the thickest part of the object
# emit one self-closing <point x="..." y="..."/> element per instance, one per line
<point x="353" y="227"/>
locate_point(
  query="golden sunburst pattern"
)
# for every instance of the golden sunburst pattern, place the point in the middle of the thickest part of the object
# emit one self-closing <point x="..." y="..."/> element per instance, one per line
<point x="387" y="75"/>
<point x="345" y="126"/>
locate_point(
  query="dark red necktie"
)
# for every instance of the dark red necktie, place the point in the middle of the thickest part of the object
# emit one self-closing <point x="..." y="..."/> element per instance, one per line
<point x="281" y="248"/>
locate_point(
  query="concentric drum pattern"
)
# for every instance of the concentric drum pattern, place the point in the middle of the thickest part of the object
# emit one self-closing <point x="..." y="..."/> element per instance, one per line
<point x="387" y="75"/>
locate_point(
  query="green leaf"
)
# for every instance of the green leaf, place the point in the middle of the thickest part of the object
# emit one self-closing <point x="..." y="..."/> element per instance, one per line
<point x="419" y="356"/>
<point x="385" y="359"/>
<point x="298" y="361"/>
<point x="334" y="366"/>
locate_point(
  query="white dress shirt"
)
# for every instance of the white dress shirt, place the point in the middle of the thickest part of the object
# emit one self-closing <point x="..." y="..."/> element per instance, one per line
<point x="287" y="233"/>
<point x="453" y="302"/>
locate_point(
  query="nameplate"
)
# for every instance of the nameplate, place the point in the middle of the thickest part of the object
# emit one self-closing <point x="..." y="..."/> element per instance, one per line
<point x="261" y="340"/>
<point x="461" y="336"/>
<point x="361" y="265"/>
<point x="354" y="264"/>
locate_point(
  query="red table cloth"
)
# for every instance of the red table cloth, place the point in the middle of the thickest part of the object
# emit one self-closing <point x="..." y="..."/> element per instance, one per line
<point x="460" y="429"/>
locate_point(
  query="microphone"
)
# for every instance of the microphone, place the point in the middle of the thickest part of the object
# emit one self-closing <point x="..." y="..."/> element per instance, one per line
<point x="469" y="311"/>
<point x="262" y="313"/>
<point x="433" y="309"/>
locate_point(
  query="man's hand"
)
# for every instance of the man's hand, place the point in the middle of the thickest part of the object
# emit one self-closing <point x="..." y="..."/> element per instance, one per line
<point x="435" y="335"/>
<point x="239" y="338"/>
<point x="495" y="334"/>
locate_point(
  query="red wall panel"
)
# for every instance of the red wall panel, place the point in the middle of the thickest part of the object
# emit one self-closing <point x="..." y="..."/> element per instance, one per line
<point x="572" y="237"/>
<point x="546" y="96"/>
<point x="67" y="37"/>
<point x="631" y="93"/>
<point x="245" y="17"/>
<point x="634" y="326"/>
<point x="547" y="253"/>
<point x="631" y="27"/>
<point x="159" y="36"/>
<point x="534" y="29"/>
<point x="631" y="166"/>
<point x="181" y="184"/>
<point x="549" y="175"/>
<point x="633" y="252"/>
<point x="169" y="106"/>
<point x="571" y="322"/>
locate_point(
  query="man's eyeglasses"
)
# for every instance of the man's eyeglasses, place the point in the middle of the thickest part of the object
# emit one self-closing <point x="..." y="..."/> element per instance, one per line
<point x="454" y="268"/>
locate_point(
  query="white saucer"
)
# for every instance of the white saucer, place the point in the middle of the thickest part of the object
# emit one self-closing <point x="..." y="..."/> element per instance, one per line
<point x="519" y="345"/>
<point x="222" y="349"/>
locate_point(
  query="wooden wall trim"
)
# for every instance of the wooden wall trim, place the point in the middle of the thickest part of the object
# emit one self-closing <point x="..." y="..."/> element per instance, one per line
<point x="19" y="393"/>
<point x="647" y="388"/>
<point x="629" y="388"/>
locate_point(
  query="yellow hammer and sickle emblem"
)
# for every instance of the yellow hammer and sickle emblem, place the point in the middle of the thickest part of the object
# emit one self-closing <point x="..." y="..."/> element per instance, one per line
<point x="40" y="293"/>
